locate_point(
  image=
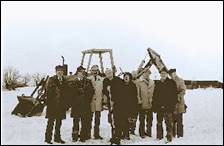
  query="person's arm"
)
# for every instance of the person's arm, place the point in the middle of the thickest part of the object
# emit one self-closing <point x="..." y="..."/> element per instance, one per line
<point x="174" y="94"/>
<point x="152" y="87"/>
<point x="139" y="93"/>
<point x="49" y="91"/>
<point x="154" y="98"/>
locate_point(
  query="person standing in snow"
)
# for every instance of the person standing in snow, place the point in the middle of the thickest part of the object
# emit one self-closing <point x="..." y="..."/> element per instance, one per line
<point x="180" y="106"/>
<point x="117" y="104"/>
<point x="56" y="105"/>
<point x="146" y="89"/>
<point x="81" y="97"/>
<point x="133" y="118"/>
<point x="97" y="100"/>
<point x="164" y="102"/>
<point x="131" y="106"/>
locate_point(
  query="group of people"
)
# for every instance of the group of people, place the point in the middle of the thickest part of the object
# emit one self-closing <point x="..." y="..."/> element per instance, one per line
<point x="128" y="99"/>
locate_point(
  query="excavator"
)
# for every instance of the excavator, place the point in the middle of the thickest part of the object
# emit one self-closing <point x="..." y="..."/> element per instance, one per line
<point x="30" y="105"/>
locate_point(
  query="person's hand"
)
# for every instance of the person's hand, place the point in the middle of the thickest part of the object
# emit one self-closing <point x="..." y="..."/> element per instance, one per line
<point x="139" y="102"/>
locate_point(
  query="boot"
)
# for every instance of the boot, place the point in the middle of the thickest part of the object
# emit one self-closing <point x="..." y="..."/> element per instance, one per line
<point x="169" y="138"/>
<point x="57" y="138"/>
<point x="48" y="137"/>
<point x="142" y="133"/>
<point x="59" y="141"/>
<point x="75" y="136"/>
<point x="148" y="133"/>
<point x="98" y="137"/>
<point x="48" y="141"/>
<point x="97" y="133"/>
<point x="115" y="140"/>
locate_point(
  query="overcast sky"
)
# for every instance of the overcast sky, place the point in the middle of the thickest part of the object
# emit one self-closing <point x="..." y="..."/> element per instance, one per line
<point x="187" y="35"/>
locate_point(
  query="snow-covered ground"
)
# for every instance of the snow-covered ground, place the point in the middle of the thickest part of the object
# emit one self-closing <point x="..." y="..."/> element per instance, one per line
<point x="203" y="122"/>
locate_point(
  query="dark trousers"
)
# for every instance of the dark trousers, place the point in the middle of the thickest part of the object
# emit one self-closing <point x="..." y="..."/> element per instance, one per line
<point x="121" y="124"/>
<point x="49" y="129"/>
<point x="178" y="124"/>
<point x="132" y="121"/>
<point x="84" y="132"/>
<point x="167" y="116"/>
<point x="96" y="123"/>
<point x="145" y="115"/>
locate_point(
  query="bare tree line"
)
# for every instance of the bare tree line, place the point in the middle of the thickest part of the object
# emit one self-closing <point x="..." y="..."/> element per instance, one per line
<point x="13" y="79"/>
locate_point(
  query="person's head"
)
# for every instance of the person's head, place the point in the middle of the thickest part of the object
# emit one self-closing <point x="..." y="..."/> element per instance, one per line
<point x="80" y="72"/>
<point x="172" y="73"/>
<point x="109" y="73"/>
<point x="94" y="70"/>
<point x="59" y="70"/>
<point x="146" y="73"/>
<point x="163" y="74"/>
<point x="134" y="74"/>
<point x="127" y="77"/>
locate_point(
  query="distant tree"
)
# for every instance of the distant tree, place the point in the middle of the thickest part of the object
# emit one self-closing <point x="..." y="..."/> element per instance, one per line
<point x="10" y="77"/>
<point x="26" y="79"/>
<point x="37" y="77"/>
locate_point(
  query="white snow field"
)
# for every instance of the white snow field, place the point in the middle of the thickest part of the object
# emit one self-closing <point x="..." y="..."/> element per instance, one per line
<point x="203" y="122"/>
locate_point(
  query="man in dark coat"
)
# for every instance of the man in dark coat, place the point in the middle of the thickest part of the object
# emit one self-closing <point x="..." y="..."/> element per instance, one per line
<point x="180" y="107"/>
<point x="164" y="101"/>
<point x="131" y="101"/>
<point x="117" y="104"/>
<point x="82" y="96"/>
<point x="56" y="105"/>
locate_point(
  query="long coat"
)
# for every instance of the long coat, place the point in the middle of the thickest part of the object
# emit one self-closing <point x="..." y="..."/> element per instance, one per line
<point x="130" y="96"/>
<point x="82" y="93"/>
<point x="165" y="96"/>
<point x="97" y="100"/>
<point x="56" y="98"/>
<point x="146" y="89"/>
<point x="181" y="88"/>
<point x="116" y="88"/>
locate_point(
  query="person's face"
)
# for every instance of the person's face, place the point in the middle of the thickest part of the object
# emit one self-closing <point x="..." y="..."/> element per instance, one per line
<point x="126" y="78"/>
<point x="80" y="74"/>
<point x="109" y="74"/>
<point x="163" y="75"/>
<point x="94" y="72"/>
<point x="146" y="75"/>
<point x="173" y="75"/>
<point x="59" y="73"/>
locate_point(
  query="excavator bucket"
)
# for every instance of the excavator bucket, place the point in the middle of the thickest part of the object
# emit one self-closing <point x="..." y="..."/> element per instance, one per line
<point x="154" y="60"/>
<point x="29" y="105"/>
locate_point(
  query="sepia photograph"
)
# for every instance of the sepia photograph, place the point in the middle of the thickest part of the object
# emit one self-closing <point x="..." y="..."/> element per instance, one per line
<point x="112" y="72"/>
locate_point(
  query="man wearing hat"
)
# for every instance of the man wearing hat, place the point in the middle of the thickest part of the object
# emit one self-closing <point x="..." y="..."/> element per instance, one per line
<point x="56" y="105"/>
<point x="114" y="89"/>
<point x="97" y="100"/>
<point x="134" y="117"/>
<point x="81" y="97"/>
<point x="164" y="102"/>
<point x="146" y="89"/>
<point x="180" y="107"/>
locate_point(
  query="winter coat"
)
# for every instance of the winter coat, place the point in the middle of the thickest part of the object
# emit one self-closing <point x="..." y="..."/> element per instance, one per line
<point x="130" y="97"/>
<point x="181" y="88"/>
<point x="97" y="100"/>
<point x="82" y="93"/>
<point x="137" y="82"/>
<point x="116" y="89"/>
<point x="165" y="96"/>
<point x="106" y="83"/>
<point x="57" y="99"/>
<point x="146" y="89"/>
